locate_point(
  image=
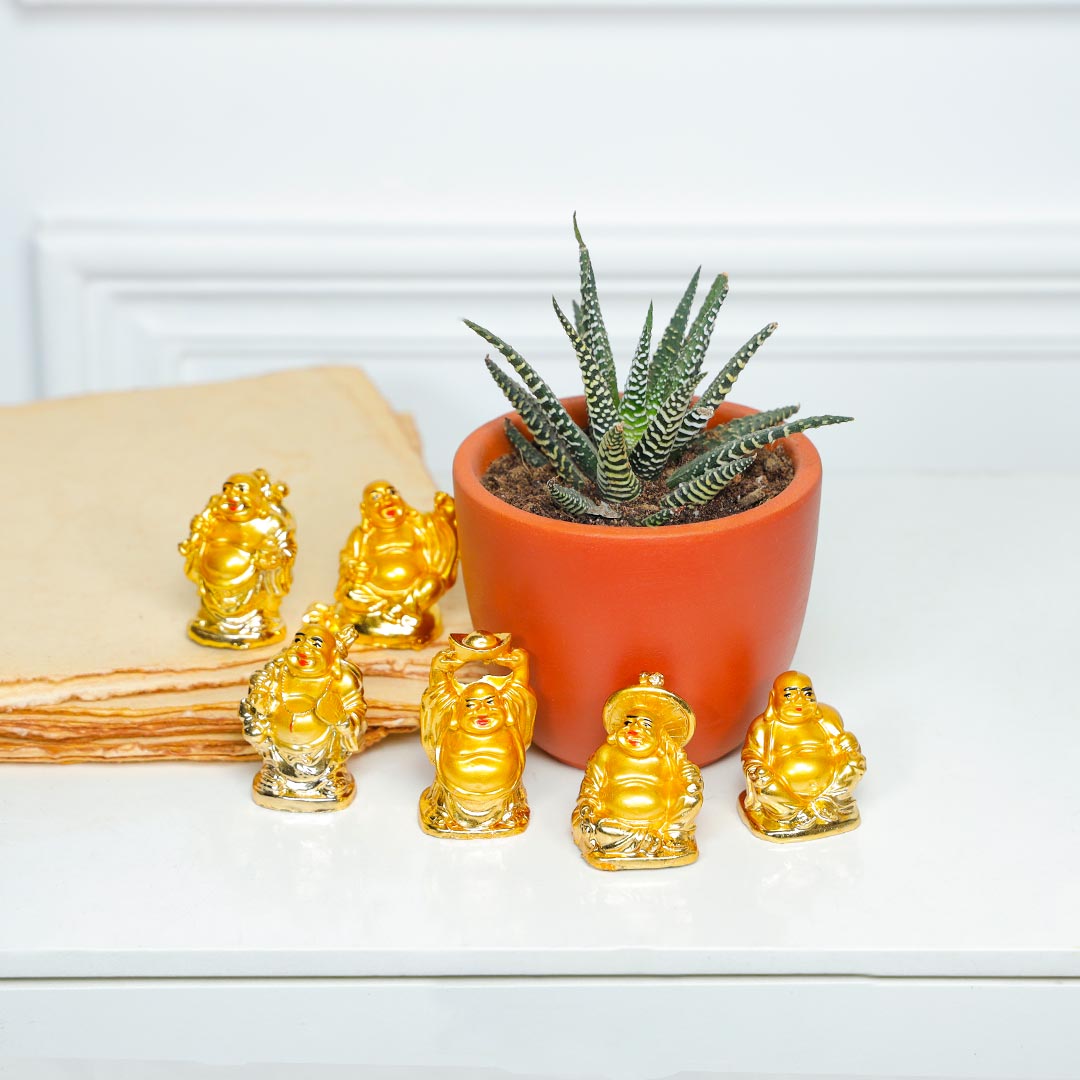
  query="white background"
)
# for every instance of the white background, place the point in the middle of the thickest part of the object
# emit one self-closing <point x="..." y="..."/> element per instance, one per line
<point x="199" y="189"/>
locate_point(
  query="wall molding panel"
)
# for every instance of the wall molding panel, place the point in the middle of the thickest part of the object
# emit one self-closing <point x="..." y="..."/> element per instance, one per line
<point x="910" y="306"/>
<point x="580" y="7"/>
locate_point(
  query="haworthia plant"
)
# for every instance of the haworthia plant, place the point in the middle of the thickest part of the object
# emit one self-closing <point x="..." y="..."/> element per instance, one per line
<point x="655" y="423"/>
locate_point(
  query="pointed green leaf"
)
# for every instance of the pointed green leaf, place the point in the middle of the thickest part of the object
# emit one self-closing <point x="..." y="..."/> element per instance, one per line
<point x="692" y="353"/>
<point x="576" y="441"/>
<point x="653" y="449"/>
<point x="748" y="444"/>
<point x="614" y="476"/>
<point x="743" y="425"/>
<point x="721" y="386"/>
<point x="544" y="436"/>
<point x="632" y="407"/>
<point x="603" y="411"/>
<point x="662" y="371"/>
<point x="662" y="516"/>
<point x="527" y="451"/>
<point x="577" y="505"/>
<point x="592" y="320"/>
<point x="700" y="489"/>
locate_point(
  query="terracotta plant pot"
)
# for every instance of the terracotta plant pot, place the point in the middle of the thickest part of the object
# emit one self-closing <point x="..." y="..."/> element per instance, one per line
<point x="717" y="607"/>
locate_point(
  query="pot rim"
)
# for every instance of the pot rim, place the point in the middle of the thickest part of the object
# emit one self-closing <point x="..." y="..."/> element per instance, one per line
<point x="468" y="468"/>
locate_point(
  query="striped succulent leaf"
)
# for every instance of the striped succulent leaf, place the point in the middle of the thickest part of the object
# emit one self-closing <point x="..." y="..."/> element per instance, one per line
<point x="721" y="386"/>
<point x="692" y="353"/>
<point x="575" y="504"/>
<point x="699" y="489"/>
<point x="659" y="517"/>
<point x="528" y="452"/>
<point x="693" y="422"/>
<point x="592" y="320"/>
<point x="632" y="407"/>
<point x="754" y="440"/>
<point x="575" y="440"/>
<point x="653" y="449"/>
<point x="743" y="425"/>
<point x="603" y="411"/>
<point x="614" y="476"/>
<point x="545" y="438"/>
<point x="662" y="371"/>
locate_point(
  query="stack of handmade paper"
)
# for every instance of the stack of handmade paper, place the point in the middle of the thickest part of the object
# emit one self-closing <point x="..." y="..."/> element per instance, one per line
<point x="99" y="490"/>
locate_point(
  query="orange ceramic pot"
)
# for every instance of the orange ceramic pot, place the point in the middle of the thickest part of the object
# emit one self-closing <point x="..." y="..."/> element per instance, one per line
<point x="717" y="606"/>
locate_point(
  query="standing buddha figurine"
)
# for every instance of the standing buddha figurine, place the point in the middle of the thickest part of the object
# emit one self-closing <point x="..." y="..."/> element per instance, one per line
<point x="304" y="714"/>
<point x="240" y="553"/>
<point x="396" y="563"/>
<point x="641" y="793"/>
<point x="476" y="734"/>
<point x="801" y="766"/>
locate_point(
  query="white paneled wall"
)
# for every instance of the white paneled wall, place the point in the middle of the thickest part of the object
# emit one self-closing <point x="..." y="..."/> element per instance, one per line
<point x="199" y="189"/>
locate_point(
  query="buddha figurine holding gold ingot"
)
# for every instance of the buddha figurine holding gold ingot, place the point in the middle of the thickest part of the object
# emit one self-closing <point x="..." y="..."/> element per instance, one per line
<point x="640" y="794"/>
<point x="240" y="553"/>
<point x="304" y="713"/>
<point x="801" y="767"/>
<point x="476" y="734"/>
<point x="394" y="567"/>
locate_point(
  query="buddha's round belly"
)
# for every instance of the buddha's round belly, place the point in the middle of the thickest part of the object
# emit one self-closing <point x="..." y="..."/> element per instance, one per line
<point x="480" y="772"/>
<point x="397" y="570"/>
<point x="638" y="802"/>
<point x="301" y="730"/>
<point x="808" y="773"/>
<point x="222" y="561"/>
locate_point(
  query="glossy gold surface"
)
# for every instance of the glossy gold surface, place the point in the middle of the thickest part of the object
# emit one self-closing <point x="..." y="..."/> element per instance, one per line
<point x="394" y="567"/>
<point x="240" y="554"/>
<point x="640" y="793"/>
<point x="801" y="767"/>
<point x="476" y="732"/>
<point x="304" y="714"/>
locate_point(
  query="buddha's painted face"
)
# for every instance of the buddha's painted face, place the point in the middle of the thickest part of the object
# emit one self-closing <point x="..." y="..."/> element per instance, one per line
<point x="794" y="699"/>
<point x="637" y="736"/>
<point x="481" y="709"/>
<point x="241" y="498"/>
<point x="383" y="504"/>
<point x="311" y="652"/>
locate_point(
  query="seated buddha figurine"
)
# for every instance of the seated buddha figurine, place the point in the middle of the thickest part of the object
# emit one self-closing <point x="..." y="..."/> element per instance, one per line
<point x="240" y="553"/>
<point x="801" y="766"/>
<point x="640" y="793"/>
<point x="396" y="563"/>
<point x="476" y="733"/>
<point x="304" y="714"/>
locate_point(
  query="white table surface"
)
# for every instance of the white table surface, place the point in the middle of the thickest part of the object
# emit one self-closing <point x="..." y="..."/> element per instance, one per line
<point x="942" y="624"/>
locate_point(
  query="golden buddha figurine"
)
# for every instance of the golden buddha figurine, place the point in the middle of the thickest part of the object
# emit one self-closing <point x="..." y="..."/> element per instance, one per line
<point x="476" y="734"/>
<point x="396" y="563"/>
<point x="240" y="553"/>
<point x="304" y="713"/>
<point x="801" y="767"/>
<point x="640" y="793"/>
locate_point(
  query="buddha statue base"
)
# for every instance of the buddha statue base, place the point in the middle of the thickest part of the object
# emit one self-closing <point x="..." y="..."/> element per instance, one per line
<point x="602" y="860"/>
<point x="442" y="815"/>
<point x="377" y="631"/>
<point x="802" y="827"/>
<point x="251" y="632"/>
<point x="275" y="791"/>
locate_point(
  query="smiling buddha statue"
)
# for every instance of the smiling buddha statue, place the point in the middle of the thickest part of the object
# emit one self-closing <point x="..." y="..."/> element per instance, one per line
<point x="304" y="714"/>
<point x="240" y="553"/>
<point x="394" y="567"/>
<point x="640" y="793"/>
<point x="801" y="766"/>
<point x="476" y="733"/>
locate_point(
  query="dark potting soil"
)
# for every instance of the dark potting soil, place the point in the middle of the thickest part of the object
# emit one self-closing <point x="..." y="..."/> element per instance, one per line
<point x="525" y="487"/>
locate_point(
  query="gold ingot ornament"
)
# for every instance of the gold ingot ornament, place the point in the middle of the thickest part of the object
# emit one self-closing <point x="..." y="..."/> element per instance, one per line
<point x="801" y="767"/>
<point x="641" y="793"/>
<point x="395" y="565"/>
<point x="304" y="714"/>
<point x="476" y="733"/>
<point x="240" y="554"/>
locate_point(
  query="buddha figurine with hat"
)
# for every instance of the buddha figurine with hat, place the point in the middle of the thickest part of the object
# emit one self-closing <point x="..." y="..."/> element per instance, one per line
<point x="640" y="793"/>
<point x="476" y="732"/>
<point x="395" y="565"/>
<point x="801" y="766"/>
